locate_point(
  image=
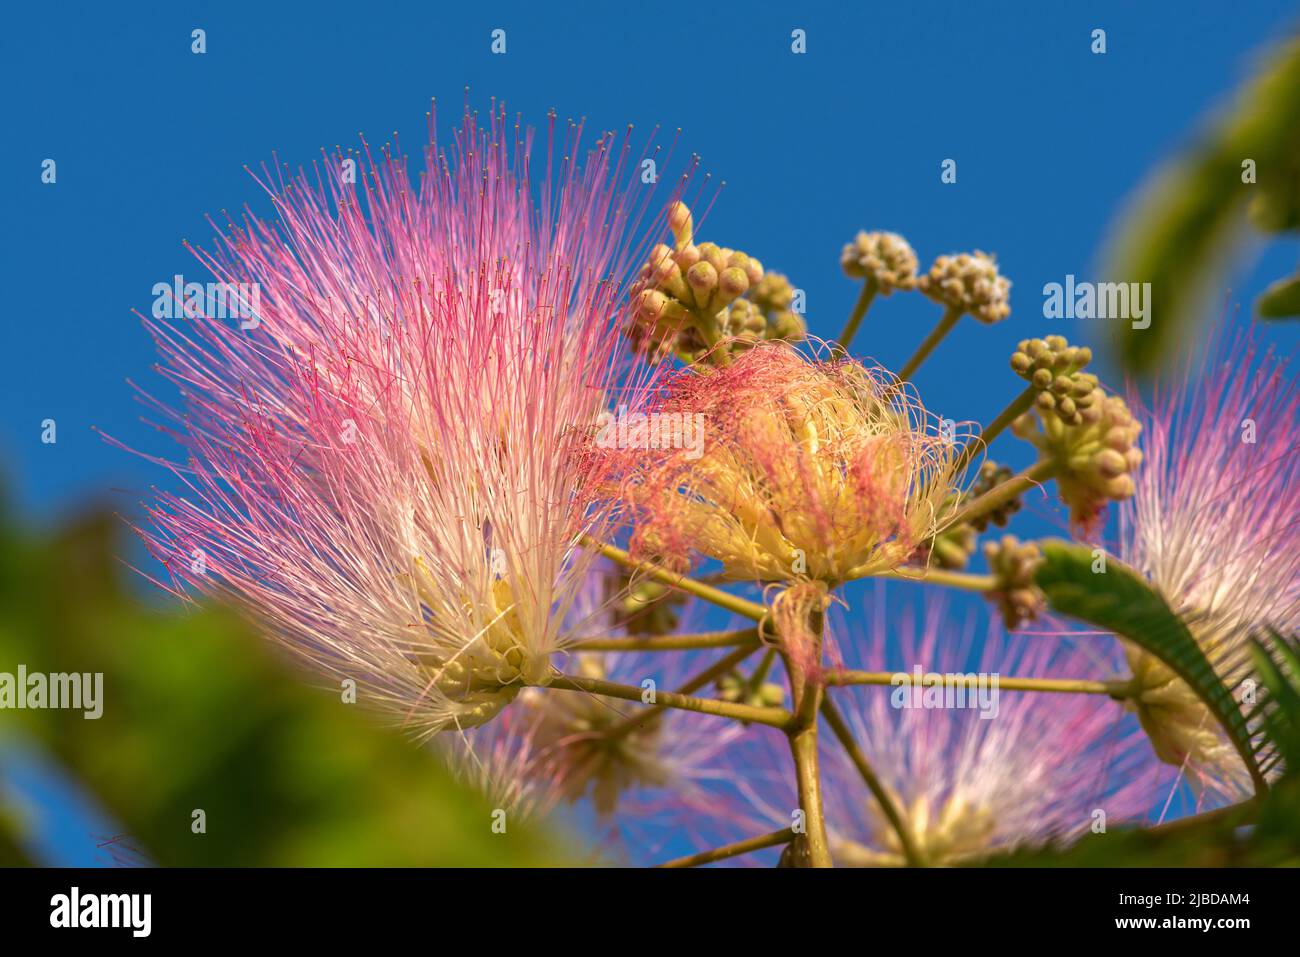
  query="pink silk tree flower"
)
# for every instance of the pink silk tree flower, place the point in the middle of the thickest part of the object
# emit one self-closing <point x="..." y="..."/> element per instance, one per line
<point x="803" y="469"/>
<point x="1213" y="526"/>
<point x="974" y="774"/>
<point x="380" y="462"/>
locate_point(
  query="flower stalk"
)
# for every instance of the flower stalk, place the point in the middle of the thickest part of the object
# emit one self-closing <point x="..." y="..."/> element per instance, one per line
<point x="773" y="717"/>
<point x="808" y="692"/>
<point x="1017" y="407"/>
<point x="774" y="839"/>
<point x="710" y="674"/>
<point x="865" y="297"/>
<point x="1000" y="494"/>
<point x="1114" y="689"/>
<point x="744" y="637"/>
<point x="928" y="345"/>
<point x="732" y="603"/>
<point x="940" y="576"/>
<point x="887" y="806"/>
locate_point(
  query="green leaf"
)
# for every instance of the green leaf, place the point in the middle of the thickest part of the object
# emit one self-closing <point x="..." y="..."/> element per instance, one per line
<point x="1189" y="223"/>
<point x="1120" y="600"/>
<point x="200" y="714"/>
<point x="1277" y="662"/>
<point x="13" y="829"/>
<point x="1281" y="300"/>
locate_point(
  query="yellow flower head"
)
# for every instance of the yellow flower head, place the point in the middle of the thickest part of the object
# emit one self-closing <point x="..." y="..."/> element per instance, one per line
<point x="803" y="468"/>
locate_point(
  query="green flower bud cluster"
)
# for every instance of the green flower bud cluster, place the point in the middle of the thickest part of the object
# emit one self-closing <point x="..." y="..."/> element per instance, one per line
<point x="885" y="259"/>
<point x="1052" y="366"/>
<point x="990" y="476"/>
<point x="692" y="295"/>
<point x="773" y="295"/>
<point x="1092" y="451"/>
<point x="970" y="283"/>
<point x="764" y="313"/>
<point x="736" y="688"/>
<point x="953" y="547"/>
<point x="1013" y="563"/>
<point x="643" y="607"/>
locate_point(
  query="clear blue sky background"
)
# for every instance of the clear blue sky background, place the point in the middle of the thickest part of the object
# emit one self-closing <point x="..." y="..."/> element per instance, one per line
<point x="1049" y="139"/>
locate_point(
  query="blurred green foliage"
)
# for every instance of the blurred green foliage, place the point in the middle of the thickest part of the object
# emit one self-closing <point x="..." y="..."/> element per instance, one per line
<point x="1188" y="223"/>
<point x="199" y="713"/>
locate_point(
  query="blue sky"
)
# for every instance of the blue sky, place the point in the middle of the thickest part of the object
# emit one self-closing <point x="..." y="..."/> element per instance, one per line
<point x="1049" y="139"/>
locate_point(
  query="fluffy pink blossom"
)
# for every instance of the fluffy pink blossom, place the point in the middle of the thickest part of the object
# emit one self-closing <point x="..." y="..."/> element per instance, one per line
<point x="805" y="468"/>
<point x="1213" y="525"/>
<point x="379" y="465"/>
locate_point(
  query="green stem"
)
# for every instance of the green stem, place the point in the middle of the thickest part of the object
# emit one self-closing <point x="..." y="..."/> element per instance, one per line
<point x="1000" y="494"/>
<point x="807" y="693"/>
<point x="710" y="674"/>
<point x="950" y="317"/>
<point x="716" y="596"/>
<point x="707" y="326"/>
<point x="755" y="681"/>
<point x="1018" y="407"/>
<point x="939" y="576"/>
<point x="1115" y="689"/>
<point x="842" y="733"/>
<point x="774" y="717"/>
<point x="803" y="747"/>
<point x="707" y="639"/>
<point x="869" y="290"/>
<point x="733" y="850"/>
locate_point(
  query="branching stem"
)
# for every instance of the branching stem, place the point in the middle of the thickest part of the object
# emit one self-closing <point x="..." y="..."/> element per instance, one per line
<point x="733" y="850"/>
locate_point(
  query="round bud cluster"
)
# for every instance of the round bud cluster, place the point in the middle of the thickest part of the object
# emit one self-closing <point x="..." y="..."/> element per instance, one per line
<point x="990" y="476"/>
<point x="1052" y="366"/>
<point x="691" y="295"/>
<point x="745" y="322"/>
<point x="1053" y="355"/>
<point x="1093" y="451"/>
<point x="772" y="293"/>
<point x="1074" y="398"/>
<point x="885" y="259"/>
<point x="969" y="282"/>
<point x="1013" y="563"/>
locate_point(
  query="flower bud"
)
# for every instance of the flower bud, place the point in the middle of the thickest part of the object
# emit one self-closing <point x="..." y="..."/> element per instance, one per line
<point x="1014" y="565"/>
<point x="885" y="259"/>
<point x="971" y="283"/>
<point x="680" y="223"/>
<point x="1091" y="441"/>
<point x="733" y="283"/>
<point x="703" y="279"/>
